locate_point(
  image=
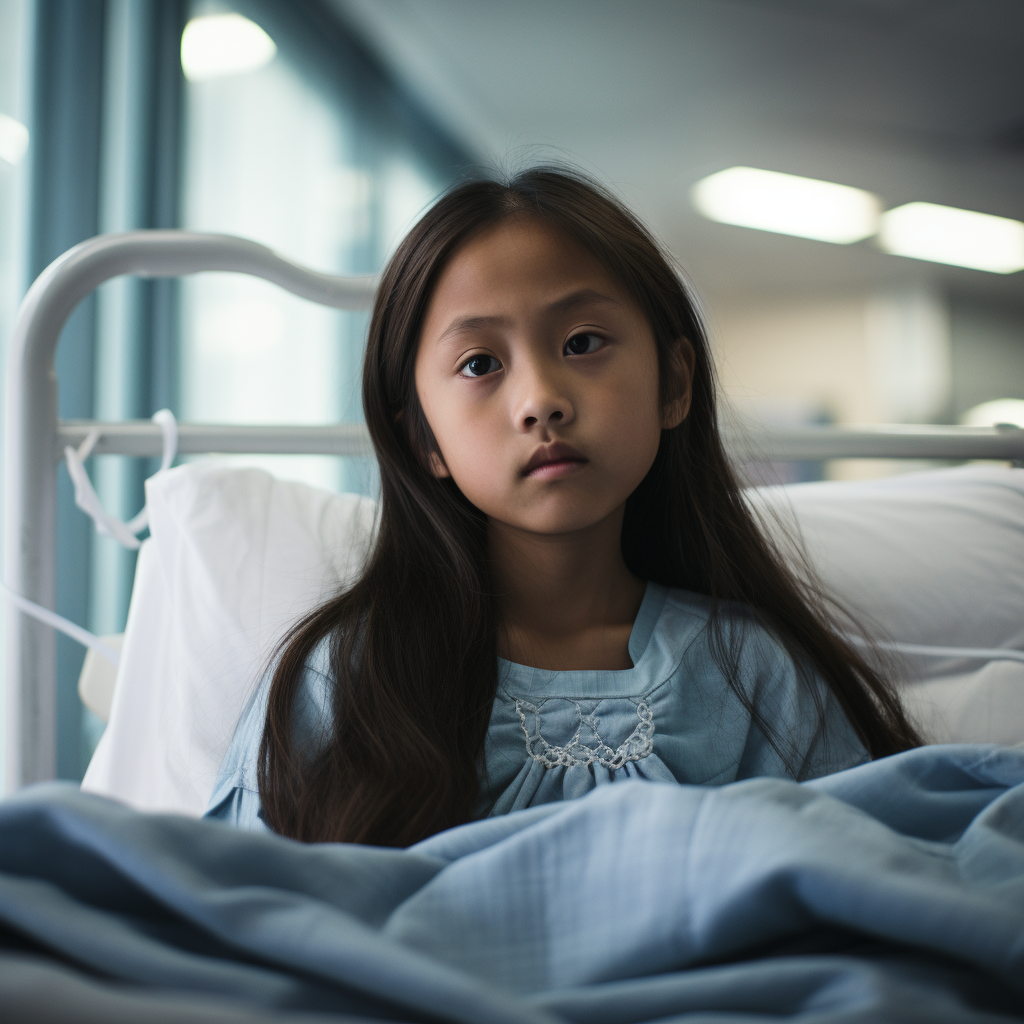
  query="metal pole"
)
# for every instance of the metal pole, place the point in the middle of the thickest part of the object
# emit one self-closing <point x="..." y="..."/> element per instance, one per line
<point x="888" y="441"/>
<point x="142" y="437"/>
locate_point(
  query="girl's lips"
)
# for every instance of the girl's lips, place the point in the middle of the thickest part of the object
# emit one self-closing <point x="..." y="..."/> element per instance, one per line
<point x="550" y="470"/>
<point x="554" y="460"/>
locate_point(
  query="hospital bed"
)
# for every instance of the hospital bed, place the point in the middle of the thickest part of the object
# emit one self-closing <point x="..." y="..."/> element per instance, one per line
<point x="848" y="896"/>
<point x="35" y="440"/>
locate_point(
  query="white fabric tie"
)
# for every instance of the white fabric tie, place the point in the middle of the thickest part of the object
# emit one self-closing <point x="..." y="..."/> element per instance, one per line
<point x="86" y="497"/>
<point x="65" y="626"/>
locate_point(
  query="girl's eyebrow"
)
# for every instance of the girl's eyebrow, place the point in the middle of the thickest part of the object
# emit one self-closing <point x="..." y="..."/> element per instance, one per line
<point x="582" y="297"/>
<point x="468" y="324"/>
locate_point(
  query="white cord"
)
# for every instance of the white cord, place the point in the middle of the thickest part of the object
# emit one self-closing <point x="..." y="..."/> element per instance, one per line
<point x="58" y="622"/>
<point x="926" y="650"/>
<point x="87" y="499"/>
<point x="125" y="533"/>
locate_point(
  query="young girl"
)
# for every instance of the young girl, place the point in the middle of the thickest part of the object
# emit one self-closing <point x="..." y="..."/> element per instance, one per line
<point x="567" y="587"/>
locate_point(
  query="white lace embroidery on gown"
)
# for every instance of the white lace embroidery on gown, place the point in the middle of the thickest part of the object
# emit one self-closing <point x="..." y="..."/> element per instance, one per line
<point x="637" y="745"/>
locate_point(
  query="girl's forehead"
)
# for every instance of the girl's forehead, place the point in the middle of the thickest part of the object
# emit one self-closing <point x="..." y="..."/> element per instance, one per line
<point x="523" y="258"/>
<point x="523" y="238"/>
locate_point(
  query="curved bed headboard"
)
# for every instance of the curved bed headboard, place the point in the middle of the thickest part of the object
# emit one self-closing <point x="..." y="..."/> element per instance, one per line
<point x="33" y="445"/>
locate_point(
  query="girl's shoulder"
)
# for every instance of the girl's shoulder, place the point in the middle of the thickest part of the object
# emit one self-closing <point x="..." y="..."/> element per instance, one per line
<point x="686" y="622"/>
<point x="796" y="710"/>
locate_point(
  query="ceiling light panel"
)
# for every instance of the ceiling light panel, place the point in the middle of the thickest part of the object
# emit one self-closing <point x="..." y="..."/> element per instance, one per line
<point x="999" y="410"/>
<point x="788" y="204"/>
<point x="216" y="45"/>
<point x="944" y="234"/>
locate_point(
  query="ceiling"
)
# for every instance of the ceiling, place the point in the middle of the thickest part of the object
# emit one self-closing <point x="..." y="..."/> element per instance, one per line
<point x="910" y="99"/>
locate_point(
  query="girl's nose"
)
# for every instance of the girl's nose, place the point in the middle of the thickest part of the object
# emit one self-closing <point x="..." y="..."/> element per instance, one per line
<point x="543" y="403"/>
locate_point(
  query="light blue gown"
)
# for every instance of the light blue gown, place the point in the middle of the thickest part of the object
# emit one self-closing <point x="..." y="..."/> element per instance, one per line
<point x="557" y="735"/>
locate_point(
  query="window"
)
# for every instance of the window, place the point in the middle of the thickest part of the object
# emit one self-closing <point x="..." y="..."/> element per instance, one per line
<point x="288" y="155"/>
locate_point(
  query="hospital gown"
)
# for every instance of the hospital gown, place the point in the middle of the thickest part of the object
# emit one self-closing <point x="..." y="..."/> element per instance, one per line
<point x="556" y="735"/>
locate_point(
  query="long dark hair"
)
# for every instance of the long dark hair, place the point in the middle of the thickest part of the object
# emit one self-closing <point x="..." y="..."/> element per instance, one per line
<point x="413" y="648"/>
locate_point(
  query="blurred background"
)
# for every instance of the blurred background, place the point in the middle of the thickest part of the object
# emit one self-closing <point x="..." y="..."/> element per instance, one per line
<point x="854" y="282"/>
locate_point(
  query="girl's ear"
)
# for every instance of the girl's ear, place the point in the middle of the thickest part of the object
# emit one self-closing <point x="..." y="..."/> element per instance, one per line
<point x="678" y="389"/>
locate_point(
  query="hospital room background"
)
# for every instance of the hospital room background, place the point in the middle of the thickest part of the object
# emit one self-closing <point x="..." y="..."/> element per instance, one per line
<point x="875" y="131"/>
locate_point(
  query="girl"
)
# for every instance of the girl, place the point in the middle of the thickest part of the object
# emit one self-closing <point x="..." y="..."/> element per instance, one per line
<point x="567" y="587"/>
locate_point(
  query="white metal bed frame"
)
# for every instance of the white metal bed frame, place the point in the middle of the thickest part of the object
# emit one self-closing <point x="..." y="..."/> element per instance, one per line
<point x="35" y="439"/>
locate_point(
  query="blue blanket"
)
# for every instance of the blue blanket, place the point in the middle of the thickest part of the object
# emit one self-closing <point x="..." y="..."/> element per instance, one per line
<point x="892" y="891"/>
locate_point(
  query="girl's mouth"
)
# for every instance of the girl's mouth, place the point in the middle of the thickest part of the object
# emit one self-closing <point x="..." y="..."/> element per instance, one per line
<point x="554" y="460"/>
<point x="551" y="470"/>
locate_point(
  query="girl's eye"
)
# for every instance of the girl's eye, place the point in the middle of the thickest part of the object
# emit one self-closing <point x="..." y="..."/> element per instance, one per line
<point x="583" y="344"/>
<point x="479" y="366"/>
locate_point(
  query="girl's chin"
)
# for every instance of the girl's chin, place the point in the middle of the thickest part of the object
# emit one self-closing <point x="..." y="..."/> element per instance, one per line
<point x="562" y="522"/>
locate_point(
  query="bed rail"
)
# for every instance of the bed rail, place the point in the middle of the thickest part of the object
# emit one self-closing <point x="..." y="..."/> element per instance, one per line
<point x="896" y="441"/>
<point x="35" y="439"/>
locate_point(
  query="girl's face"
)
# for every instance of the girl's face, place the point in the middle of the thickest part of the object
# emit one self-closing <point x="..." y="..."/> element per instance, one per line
<point x="538" y="376"/>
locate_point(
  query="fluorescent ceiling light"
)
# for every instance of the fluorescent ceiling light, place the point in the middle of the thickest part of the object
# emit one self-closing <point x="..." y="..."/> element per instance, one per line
<point x="216" y="45"/>
<point x="999" y="410"/>
<point x="787" y="204"/>
<point x="13" y="139"/>
<point x="943" y="234"/>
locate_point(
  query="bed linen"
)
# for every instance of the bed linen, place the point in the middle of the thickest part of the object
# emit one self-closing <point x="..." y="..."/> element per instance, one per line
<point x="891" y="891"/>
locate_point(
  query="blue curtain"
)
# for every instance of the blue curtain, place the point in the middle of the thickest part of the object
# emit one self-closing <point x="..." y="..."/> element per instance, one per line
<point x="66" y="110"/>
<point x="67" y="128"/>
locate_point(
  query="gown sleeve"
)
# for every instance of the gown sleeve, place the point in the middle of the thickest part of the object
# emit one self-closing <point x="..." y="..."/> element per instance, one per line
<point x="236" y="797"/>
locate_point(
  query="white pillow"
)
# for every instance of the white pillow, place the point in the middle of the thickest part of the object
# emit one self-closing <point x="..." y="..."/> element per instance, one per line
<point x="237" y="555"/>
<point x="933" y="557"/>
<point x="984" y="706"/>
